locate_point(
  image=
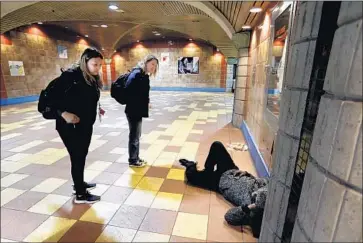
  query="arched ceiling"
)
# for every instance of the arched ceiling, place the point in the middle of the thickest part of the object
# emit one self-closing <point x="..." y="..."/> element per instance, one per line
<point x="213" y="22"/>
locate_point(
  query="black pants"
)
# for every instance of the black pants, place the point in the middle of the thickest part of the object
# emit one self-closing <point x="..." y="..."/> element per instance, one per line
<point x="135" y="124"/>
<point x="77" y="141"/>
<point x="218" y="162"/>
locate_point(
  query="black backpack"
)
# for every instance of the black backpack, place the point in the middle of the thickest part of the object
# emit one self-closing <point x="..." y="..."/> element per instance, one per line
<point x="118" y="89"/>
<point x="47" y="99"/>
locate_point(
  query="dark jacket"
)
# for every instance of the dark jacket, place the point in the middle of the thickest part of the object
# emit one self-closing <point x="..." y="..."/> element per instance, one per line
<point x="74" y="95"/>
<point x="138" y="88"/>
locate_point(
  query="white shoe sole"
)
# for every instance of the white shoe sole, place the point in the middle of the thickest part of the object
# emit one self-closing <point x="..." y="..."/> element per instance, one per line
<point x="85" y="201"/>
<point x="89" y="189"/>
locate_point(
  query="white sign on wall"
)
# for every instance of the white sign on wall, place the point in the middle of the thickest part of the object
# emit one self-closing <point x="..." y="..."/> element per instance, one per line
<point x="16" y="68"/>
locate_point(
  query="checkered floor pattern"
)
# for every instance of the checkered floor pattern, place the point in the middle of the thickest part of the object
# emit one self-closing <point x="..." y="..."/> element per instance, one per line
<point x="151" y="204"/>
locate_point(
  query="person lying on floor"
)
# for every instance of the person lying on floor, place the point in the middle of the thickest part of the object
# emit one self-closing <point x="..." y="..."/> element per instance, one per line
<point x="242" y="189"/>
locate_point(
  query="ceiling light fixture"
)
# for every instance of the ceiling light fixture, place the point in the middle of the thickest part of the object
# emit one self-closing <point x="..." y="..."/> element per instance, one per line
<point x="113" y="7"/>
<point x="95" y="25"/>
<point x="191" y="39"/>
<point x="157" y="34"/>
<point x="104" y="25"/>
<point x="86" y="35"/>
<point x="255" y="10"/>
<point x="40" y="22"/>
<point x="138" y="41"/>
<point x="119" y="11"/>
<point x="246" y="27"/>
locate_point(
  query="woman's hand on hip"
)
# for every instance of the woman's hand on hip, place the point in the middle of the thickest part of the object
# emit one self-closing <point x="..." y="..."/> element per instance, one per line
<point x="70" y="118"/>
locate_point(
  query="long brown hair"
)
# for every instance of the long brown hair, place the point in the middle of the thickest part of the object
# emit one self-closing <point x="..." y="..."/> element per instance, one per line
<point x="87" y="55"/>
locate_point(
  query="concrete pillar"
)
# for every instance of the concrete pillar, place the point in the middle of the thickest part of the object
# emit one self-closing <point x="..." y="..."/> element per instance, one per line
<point x="330" y="207"/>
<point x="241" y="88"/>
<point x="293" y="101"/>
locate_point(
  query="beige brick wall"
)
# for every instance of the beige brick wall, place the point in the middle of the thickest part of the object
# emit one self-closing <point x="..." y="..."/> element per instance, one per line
<point x="211" y="66"/>
<point x="40" y="58"/>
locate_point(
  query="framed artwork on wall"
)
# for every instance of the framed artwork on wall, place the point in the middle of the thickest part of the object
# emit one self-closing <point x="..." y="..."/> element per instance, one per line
<point x="16" y="68"/>
<point x="188" y="65"/>
<point x="62" y="52"/>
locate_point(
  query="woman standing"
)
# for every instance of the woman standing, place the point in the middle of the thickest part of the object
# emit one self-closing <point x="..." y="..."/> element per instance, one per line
<point x="137" y="107"/>
<point x="77" y="92"/>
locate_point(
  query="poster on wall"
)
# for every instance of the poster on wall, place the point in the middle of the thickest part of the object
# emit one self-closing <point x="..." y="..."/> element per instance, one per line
<point x="62" y="52"/>
<point x="164" y="58"/>
<point x="16" y="68"/>
<point x="188" y="65"/>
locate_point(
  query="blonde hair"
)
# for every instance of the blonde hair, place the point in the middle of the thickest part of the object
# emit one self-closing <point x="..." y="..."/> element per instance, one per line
<point x="87" y="55"/>
<point x="148" y="58"/>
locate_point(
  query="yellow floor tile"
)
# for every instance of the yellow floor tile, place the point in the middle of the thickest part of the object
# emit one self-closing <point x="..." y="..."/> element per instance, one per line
<point x="196" y="131"/>
<point x="52" y="230"/>
<point x="47" y="151"/>
<point x="128" y="180"/>
<point x="176" y="174"/>
<point x="100" y="212"/>
<point x="150" y="184"/>
<point x="9" y="194"/>
<point x="99" y="165"/>
<point x="89" y="175"/>
<point x="12" y="179"/>
<point x="191" y="226"/>
<point x="11" y="167"/>
<point x="49" y="205"/>
<point x="166" y="163"/>
<point x="137" y="171"/>
<point x="168" y="155"/>
<point x="116" y="234"/>
<point x="49" y="185"/>
<point x="167" y="201"/>
<point x="142" y="236"/>
<point x="141" y="198"/>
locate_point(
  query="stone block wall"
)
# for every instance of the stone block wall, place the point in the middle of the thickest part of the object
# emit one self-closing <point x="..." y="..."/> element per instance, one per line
<point x="330" y="208"/>
<point x="293" y="101"/>
<point x="212" y="66"/>
<point x="38" y="52"/>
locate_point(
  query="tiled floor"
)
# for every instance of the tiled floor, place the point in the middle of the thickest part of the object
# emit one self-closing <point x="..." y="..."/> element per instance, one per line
<point x="151" y="204"/>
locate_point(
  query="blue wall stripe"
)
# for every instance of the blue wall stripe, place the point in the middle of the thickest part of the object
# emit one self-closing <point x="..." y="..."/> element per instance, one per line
<point x="273" y="91"/>
<point x="24" y="99"/>
<point x="188" y="89"/>
<point x="260" y="164"/>
<point x="18" y="100"/>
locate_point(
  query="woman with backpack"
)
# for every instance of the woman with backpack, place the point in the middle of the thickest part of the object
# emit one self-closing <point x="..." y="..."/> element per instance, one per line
<point x="137" y="106"/>
<point x="76" y="93"/>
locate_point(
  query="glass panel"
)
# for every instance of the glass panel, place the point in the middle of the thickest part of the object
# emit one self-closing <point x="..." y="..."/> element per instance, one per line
<point x="278" y="60"/>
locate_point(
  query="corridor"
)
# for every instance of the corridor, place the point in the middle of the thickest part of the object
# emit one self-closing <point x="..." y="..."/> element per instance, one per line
<point x="140" y="204"/>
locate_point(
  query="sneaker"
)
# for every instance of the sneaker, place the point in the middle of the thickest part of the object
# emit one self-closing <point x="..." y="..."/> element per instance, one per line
<point x="139" y="164"/>
<point x="86" y="198"/>
<point x="89" y="186"/>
